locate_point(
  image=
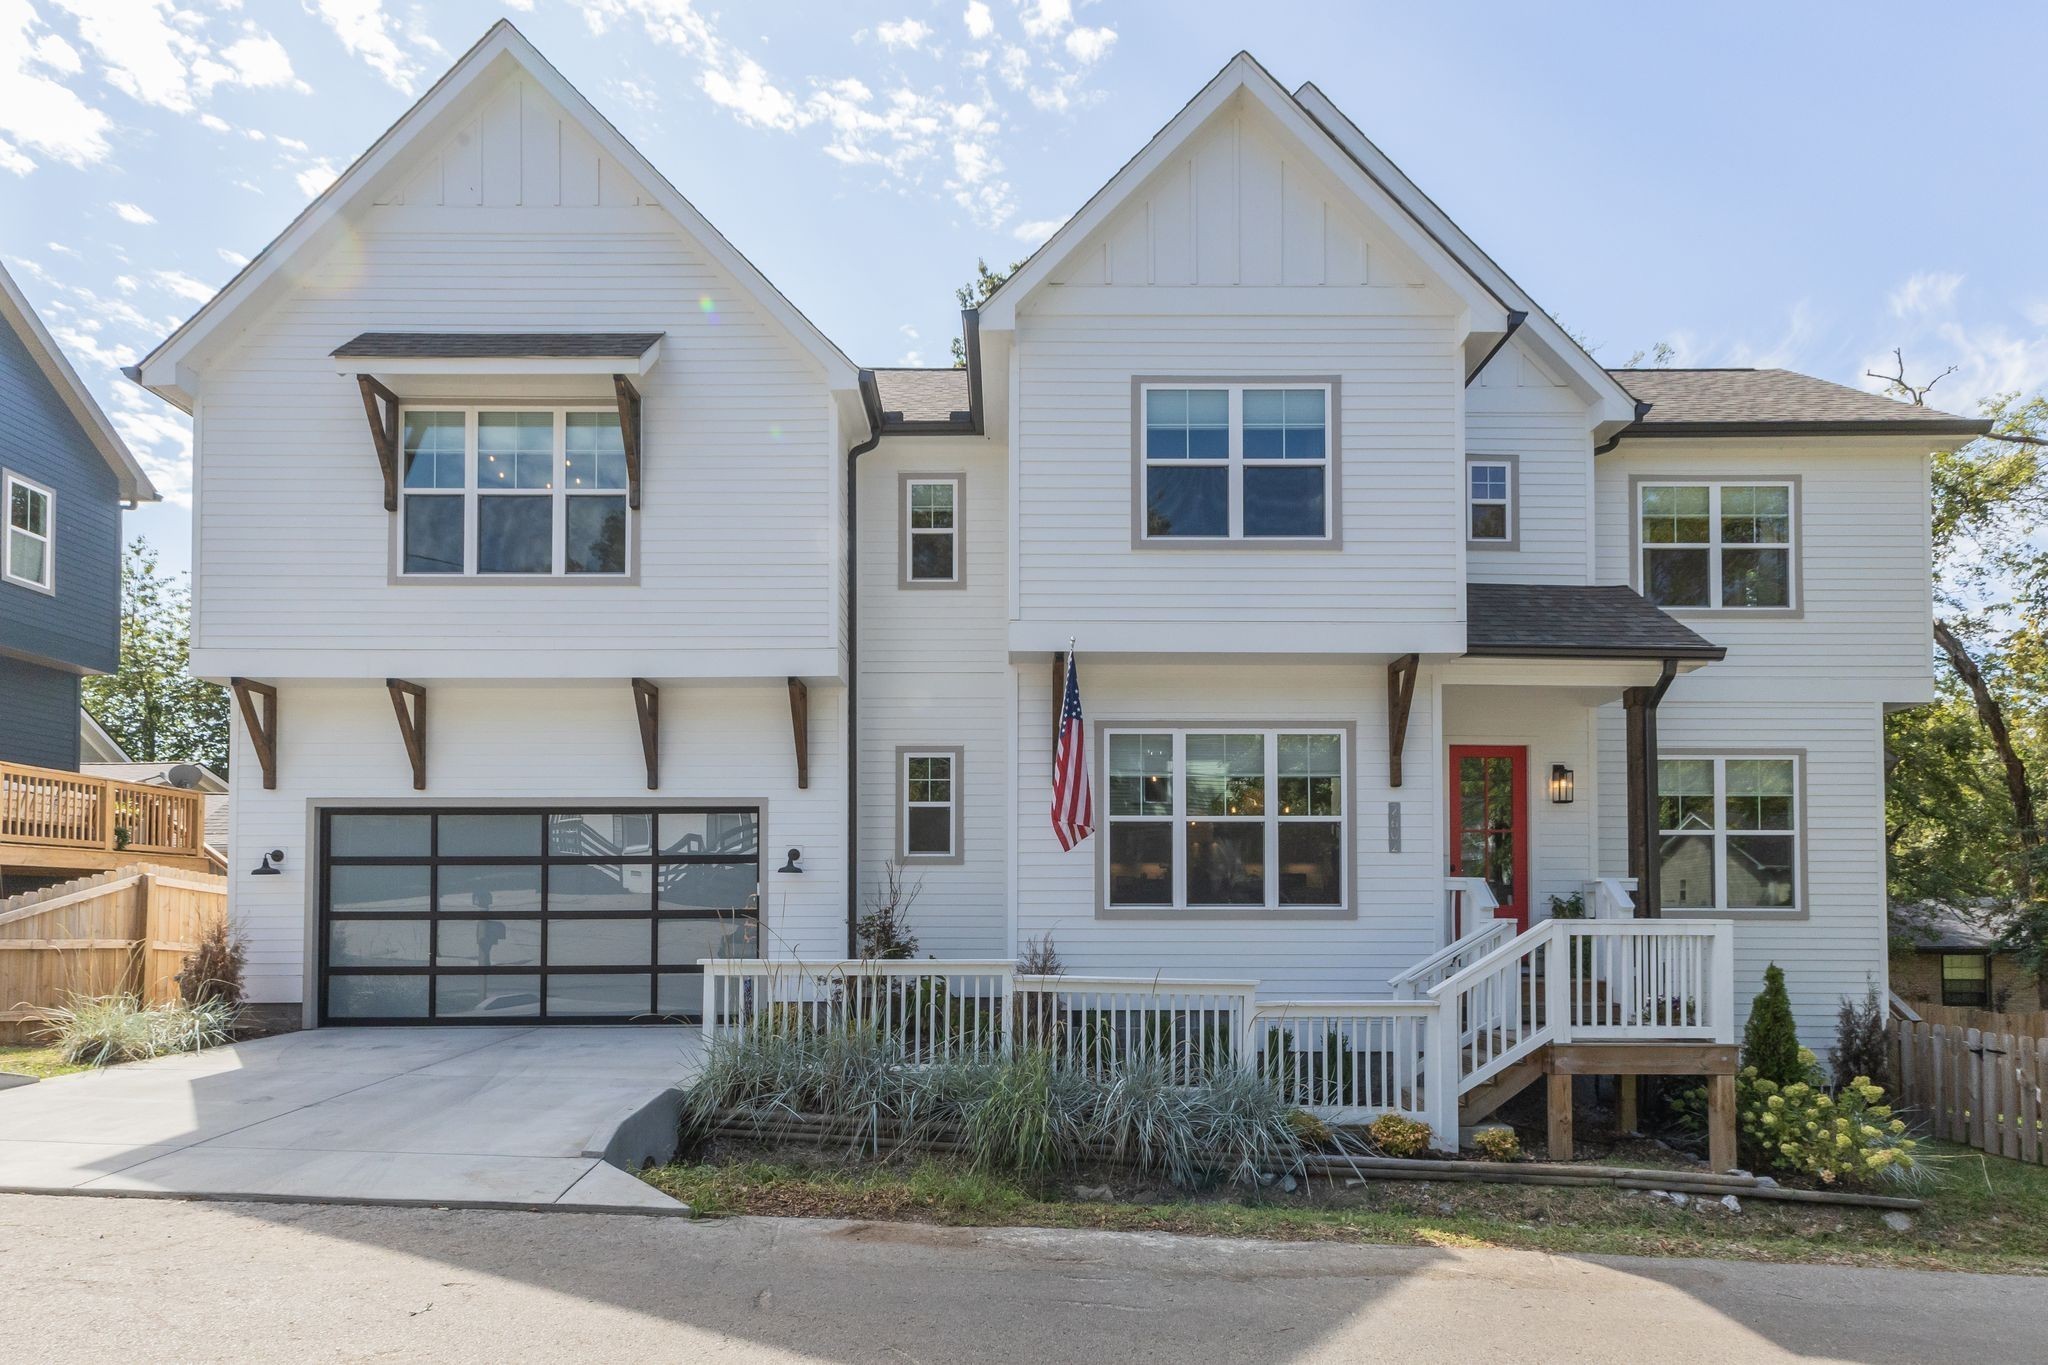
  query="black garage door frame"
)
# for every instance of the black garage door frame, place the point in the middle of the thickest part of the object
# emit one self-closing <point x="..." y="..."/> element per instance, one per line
<point x="716" y="843"/>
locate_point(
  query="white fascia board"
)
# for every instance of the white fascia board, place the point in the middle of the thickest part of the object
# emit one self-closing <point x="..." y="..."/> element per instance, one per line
<point x="163" y="370"/>
<point x="1487" y="312"/>
<point x="78" y="400"/>
<point x="500" y="365"/>
<point x="563" y="663"/>
<point x="1197" y="640"/>
<point x="1611" y="402"/>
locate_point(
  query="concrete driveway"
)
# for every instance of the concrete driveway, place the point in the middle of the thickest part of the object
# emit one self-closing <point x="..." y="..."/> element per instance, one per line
<point x="476" y="1117"/>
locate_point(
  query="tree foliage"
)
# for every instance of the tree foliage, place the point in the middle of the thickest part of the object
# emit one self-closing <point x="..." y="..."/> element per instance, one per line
<point x="1770" y="1040"/>
<point x="153" y="706"/>
<point x="975" y="293"/>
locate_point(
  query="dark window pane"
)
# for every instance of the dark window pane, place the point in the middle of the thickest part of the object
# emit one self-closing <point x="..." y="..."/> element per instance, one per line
<point x="600" y="836"/>
<point x="685" y="942"/>
<point x="1756" y="578"/>
<point x="1166" y="443"/>
<point x="1140" y="864"/>
<point x="1685" y="871"/>
<point x="721" y="831"/>
<point x="1226" y="774"/>
<point x="679" y="993"/>
<point x="489" y="996"/>
<point x="619" y="995"/>
<point x="1209" y="443"/>
<point x="1265" y="443"/>
<point x="1676" y="578"/>
<point x="1187" y="502"/>
<point x="1283" y="502"/>
<point x="929" y="830"/>
<point x="487" y="943"/>
<point x="433" y="534"/>
<point x="1226" y="863"/>
<point x="1760" y="871"/>
<point x="377" y="943"/>
<point x="378" y="889"/>
<point x="379" y="836"/>
<point x="729" y="887"/>
<point x="600" y="942"/>
<point x="1489" y="521"/>
<point x="597" y="535"/>
<point x="931" y="557"/>
<point x="515" y="834"/>
<point x="1310" y="858"/>
<point x="480" y="887"/>
<point x="515" y="535"/>
<point x="377" y="997"/>
<point x="600" y="888"/>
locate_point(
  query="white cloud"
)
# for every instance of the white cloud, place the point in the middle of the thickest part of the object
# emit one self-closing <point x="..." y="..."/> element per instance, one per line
<point x="233" y="258"/>
<point x="1036" y="230"/>
<point x="1086" y="45"/>
<point x="80" y="344"/>
<point x="40" y="116"/>
<point x="145" y="55"/>
<point x="980" y="23"/>
<point x="258" y="60"/>
<point x="125" y="283"/>
<point x="1047" y="18"/>
<point x="365" y="30"/>
<point x="62" y="250"/>
<point x="184" y="286"/>
<point x="906" y="32"/>
<point x="133" y="213"/>
<point x="317" y="177"/>
<point x="160" y="438"/>
<point x="750" y="93"/>
<point x="1930" y="291"/>
<point x="216" y="123"/>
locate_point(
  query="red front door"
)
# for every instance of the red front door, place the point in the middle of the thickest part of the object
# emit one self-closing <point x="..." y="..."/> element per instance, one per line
<point x="1490" y="822"/>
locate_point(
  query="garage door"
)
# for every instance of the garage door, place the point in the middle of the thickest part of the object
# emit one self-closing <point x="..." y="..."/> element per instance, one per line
<point x="567" y="915"/>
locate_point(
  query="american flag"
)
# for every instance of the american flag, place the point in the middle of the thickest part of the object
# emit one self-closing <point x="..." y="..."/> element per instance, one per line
<point x="1073" y="803"/>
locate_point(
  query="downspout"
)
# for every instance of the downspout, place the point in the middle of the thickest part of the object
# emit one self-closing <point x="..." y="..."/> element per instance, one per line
<point x="1515" y="321"/>
<point x="871" y="402"/>
<point x="1643" y="701"/>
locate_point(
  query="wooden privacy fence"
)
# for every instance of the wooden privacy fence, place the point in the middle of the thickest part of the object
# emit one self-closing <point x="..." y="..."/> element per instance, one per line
<point x="126" y="931"/>
<point x="2032" y="1023"/>
<point x="1975" y="1087"/>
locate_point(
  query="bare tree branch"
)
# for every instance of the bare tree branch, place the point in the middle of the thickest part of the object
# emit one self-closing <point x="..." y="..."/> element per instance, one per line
<point x="1896" y="384"/>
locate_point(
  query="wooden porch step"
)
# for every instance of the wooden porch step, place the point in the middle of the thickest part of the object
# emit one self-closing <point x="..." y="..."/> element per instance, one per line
<point x="1483" y="1099"/>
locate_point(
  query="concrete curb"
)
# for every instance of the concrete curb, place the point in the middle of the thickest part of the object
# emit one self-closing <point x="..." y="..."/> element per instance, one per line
<point x="8" y="1080"/>
<point x="679" y="1210"/>
<point x="639" y="1134"/>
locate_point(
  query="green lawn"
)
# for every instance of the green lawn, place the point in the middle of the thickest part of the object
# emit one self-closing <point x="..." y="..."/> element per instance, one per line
<point x="34" y="1060"/>
<point x="1988" y="1214"/>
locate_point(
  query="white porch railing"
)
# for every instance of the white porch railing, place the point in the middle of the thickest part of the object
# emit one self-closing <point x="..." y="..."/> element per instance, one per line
<point x="1486" y="1002"/>
<point x="1469" y="903"/>
<point x="1611" y="898"/>
<point x="1452" y="958"/>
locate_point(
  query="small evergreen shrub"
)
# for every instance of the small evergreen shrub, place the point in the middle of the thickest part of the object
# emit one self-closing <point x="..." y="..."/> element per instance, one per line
<point x="1498" y="1144"/>
<point x="1770" y="1040"/>
<point x="1396" y="1135"/>
<point x="1862" y="1047"/>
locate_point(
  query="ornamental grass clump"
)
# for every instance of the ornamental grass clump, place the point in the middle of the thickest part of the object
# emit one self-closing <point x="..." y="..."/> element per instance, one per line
<point x="108" y="1029"/>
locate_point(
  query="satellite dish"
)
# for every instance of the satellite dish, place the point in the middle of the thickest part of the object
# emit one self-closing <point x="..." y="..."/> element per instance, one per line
<point x="186" y="775"/>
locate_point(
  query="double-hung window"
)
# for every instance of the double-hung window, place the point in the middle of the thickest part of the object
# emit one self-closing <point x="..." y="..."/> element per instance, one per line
<point x="518" y="492"/>
<point x="1728" y="833"/>
<point x="1236" y="462"/>
<point x="929" y="787"/>
<point x="931" y="531"/>
<point x="1225" y="819"/>
<point x="1727" y="546"/>
<point x="1490" y="502"/>
<point x="1966" y="980"/>
<point x="29" y="552"/>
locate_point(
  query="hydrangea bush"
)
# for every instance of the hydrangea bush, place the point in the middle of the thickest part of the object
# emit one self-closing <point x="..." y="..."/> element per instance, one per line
<point x="1847" y="1137"/>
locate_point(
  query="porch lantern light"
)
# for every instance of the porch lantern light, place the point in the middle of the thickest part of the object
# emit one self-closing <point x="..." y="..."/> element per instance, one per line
<point x="1563" y="786"/>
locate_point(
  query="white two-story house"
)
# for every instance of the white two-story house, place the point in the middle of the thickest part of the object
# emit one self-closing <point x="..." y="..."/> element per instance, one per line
<point x="591" y="614"/>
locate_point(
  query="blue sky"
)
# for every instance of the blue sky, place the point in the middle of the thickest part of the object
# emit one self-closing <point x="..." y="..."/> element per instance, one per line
<point x="1797" y="185"/>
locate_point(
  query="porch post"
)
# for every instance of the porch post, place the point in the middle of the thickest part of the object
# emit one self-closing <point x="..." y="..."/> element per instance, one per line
<point x="1639" y="706"/>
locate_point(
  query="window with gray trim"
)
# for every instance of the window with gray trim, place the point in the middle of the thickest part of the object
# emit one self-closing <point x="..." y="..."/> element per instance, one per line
<point x="1220" y="819"/>
<point x="1247" y="461"/>
<point x="929" y="792"/>
<point x="1728" y="832"/>
<point x="1490" y="501"/>
<point x="1720" y="545"/>
<point x="931" y="530"/>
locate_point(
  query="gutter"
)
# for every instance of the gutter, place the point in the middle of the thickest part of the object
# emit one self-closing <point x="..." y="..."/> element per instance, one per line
<point x="871" y="402"/>
<point x="1961" y="426"/>
<point x="1515" y="321"/>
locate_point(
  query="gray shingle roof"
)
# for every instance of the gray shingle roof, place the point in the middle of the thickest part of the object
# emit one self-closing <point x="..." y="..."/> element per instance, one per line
<point x="923" y="395"/>
<point x="1700" y="401"/>
<point x="1575" y="621"/>
<point x="1932" y="926"/>
<point x="495" y="345"/>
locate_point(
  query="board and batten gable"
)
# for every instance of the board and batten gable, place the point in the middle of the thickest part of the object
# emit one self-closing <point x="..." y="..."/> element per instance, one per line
<point x="1238" y="258"/>
<point x="76" y="628"/>
<point x="1519" y="410"/>
<point x="1861" y="627"/>
<point x="515" y="221"/>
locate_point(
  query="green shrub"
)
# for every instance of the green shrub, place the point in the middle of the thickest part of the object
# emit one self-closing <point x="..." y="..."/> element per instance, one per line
<point x="1862" y="1047"/>
<point x="1770" y="1040"/>
<point x="1845" y="1138"/>
<point x="1498" y="1144"/>
<point x="1395" y="1135"/>
<point x="103" y="1030"/>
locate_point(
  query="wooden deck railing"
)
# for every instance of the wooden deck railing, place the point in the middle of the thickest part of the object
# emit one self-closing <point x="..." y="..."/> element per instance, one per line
<point x="52" y="808"/>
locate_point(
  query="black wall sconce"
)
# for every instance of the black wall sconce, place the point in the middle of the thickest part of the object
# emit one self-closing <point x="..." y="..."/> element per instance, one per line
<point x="795" y="863"/>
<point x="273" y="864"/>
<point x="1563" y="786"/>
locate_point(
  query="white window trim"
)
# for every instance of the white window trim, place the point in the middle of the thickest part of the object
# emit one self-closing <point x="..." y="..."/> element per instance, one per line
<point x="472" y="492"/>
<point x="1509" y="466"/>
<point x="9" y="481"/>
<point x="1272" y="908"/>
<point x="910" y="483"/>
<point x="1714" y="546"/>
<point x="1720" y="759"/>
<point x="1235" y="462"/>
<point x="904" y="805"/>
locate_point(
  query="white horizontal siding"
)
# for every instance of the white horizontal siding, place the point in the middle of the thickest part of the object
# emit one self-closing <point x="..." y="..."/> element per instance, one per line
<point x="935" y="672"/>
<point x="1518" y="408"/>
<point x="728" y="742"/>
<point x="1555" y="726"/>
